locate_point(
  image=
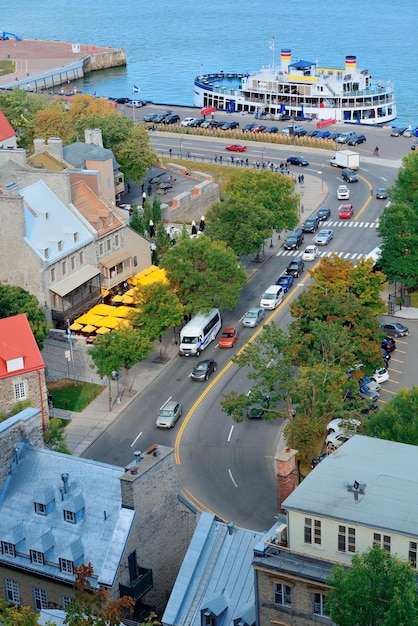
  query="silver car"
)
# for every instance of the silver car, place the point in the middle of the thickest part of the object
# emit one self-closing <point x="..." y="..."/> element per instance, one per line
<point x="253" y="317"/>
<point x="324" y="237"/>
<point x="169" y="414"/>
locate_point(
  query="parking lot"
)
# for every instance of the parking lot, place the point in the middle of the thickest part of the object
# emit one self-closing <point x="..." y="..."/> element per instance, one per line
<point x="402" y="365"/>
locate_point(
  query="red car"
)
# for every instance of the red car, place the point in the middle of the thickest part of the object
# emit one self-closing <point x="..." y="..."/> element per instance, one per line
<point x="259" y="129"/>
<point x="228" y="337"/>
<point x="236" y="147"/>
<point x="346" y="211"/>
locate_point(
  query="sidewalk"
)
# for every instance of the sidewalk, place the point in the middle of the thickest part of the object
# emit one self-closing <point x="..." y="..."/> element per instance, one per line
<point x="85" y="427"/>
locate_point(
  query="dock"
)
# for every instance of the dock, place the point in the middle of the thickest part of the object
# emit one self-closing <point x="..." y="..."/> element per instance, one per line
<point x="43" y="65"/>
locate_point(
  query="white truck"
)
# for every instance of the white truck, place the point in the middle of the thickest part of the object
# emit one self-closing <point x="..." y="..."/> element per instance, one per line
<point x="346" y="159"/>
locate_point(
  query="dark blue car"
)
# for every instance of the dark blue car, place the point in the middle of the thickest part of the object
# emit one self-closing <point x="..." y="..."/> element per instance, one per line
<point x="285" y="282"/>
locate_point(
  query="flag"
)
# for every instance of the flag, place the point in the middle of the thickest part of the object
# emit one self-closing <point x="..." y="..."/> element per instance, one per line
<point x="94" y="93"/>
<point x="136" y="89"/>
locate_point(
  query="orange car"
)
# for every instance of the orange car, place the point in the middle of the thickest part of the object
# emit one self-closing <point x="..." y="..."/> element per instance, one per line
<point x="228" y="337"/>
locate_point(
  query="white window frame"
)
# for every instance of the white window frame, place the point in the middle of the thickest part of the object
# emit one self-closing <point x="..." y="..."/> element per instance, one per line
<point x="412" y="553"/>
<point x="37" y="557"/>
<point x="12" y="590"/>
<point x="282" y="595"/>
<point x="67" y="566"/>
<point x="40" y="598"/>
<point x="8" y="549"/>
<point x="65" y="601"/>
<point x="347" y="535"/>
<point x="69" y="516"/>
<point x="40" y="508"/>
<point x="20" y="391"/>
<point x="379" y="539"/>
<point x="318" y="602"/>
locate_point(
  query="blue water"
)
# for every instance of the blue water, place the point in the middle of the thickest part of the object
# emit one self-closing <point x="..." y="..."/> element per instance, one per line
<point x="169" y="42"/>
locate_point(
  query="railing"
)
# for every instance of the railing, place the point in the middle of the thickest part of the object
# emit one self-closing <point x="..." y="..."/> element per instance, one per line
<point x="76" y="309"/>
<point x="139" y="587"/>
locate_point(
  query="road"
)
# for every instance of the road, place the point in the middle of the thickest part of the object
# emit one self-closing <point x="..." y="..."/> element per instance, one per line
<point x="224" y="467"/>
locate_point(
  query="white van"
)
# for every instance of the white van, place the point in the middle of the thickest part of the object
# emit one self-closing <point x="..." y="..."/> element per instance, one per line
<point x="272" y="297"/>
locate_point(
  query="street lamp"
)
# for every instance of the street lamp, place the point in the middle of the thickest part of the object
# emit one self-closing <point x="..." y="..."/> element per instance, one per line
<point x="262" y="156"/>
<point x="115" y="376"/>
<point x="181" y="146"/>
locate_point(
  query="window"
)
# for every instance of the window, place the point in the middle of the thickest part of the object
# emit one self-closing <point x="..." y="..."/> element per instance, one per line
<point x="40" y="508"/>
<point x="346" y="539"/>
<point x="282" y="594"/>
<point x="46" y="253"/>
<point x="116" y="241"/>
<point x="65" y="600"/>
<point x="316" y="535"/>
<point x="109" y="244"/>
<point x="75" y="237"/>
<point x="40" y="597"/>
<point x="66" y="566"/>
<point x="318" y="604"/>
<point x="69" y="516"/>
<point x="20" y="391"/>
<point x="37" y="557"/>
<point x="60" y="246"/>
<point x="64" y="268"/>
<point x="135" y="261"/>
<point x="52" y="274"/>
<point x="100" y="249"/>
<point x="8" y="549"/>
<point x="382" y="540"/>
<point x="209" y="619"/>
<point x="73" y="262"/>
<point x="12" y="590"/>
<point x="81" y="258"/>
<point x="412" y="554"/>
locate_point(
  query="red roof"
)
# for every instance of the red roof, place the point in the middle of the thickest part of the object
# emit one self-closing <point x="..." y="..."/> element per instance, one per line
<point x="6" y="129"/>
<point x="17" y="342"/>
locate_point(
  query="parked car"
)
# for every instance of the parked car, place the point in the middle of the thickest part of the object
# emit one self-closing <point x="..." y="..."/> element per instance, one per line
<point x="357" y="139"/>
<point x="248" y="128"/>
<point x="369" y="383"/>
<point x="228" y="338"/>
<point x="203" y="370"/>
<point x="414" y="145"/>
<point x="349" y="175"/>
<point x="253" y="317"/>
<point x="150" y="117"/>
<point x="324" y="237"/>
<point x="294" y="240"/>
<point x="335" y="440"/>
<point x="397" y="132"/>
<point x="211" y="124"/>
<point x="134" y="104"/>
<point x="186" y="121"/>
<point x="341" y="425"/>
<point x="285" y="282"/>
<point x="323" y="213"/>
<point x="395" y="329"/>
<point x="344" y="137"/>
<point x="229" y="126"/>
<point x="297" y="160"/>
<point x="323" y="134"/>
<point x="388" y="344"/>
<point x="197" y="122"/>
<point x="258" y="408"/>
<point x="343" y="192"/>
<point x="310" y="253"/>
<point x="346" y="211"/>
<point x="260" y="128"/>
<point x="236" y="147"/>
<point x="381" y="193"/>
<point x="169" y="413"/>
<point x="381" y="375"/>
<point x="272" y="129"/>
<point x="317" y="459"/>
<point x="295" y="267"/>
<point x="160" y="118"/>
<point x="369" y="394"/>
<point x="310" y="225"/>
<point x="173" y="118"/>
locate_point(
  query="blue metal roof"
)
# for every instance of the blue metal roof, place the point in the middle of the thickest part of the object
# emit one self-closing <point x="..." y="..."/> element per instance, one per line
<point x="216" y="576"/>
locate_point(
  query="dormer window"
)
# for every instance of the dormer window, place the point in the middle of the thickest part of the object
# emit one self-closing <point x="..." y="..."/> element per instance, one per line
<point x="67" y="566"/>
<point x="60" y="246"/>
<point x="46" y="253"/>
<point x="69" y="516"/>
<point x="8" y="549"/>
<point x="37" y="557"/>
<point x="75" y="237"/>
<point x="40" y="509"/>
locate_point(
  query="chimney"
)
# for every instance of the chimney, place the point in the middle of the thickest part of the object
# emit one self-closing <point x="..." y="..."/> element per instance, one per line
<point x="285" y="461"/>
<point x="65" y="477"/>
<point x="93" y="136"/>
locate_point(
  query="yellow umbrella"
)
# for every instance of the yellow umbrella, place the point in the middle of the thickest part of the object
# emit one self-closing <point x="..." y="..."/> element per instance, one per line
<point x="128" y="300"/>
<point x="76" y="326"/>
<point x="121" y="311"/>
<point x="102" y="330"/>
<point x="105" y="292"/>
<point x="117" y="298"/>
<point x="110" y="322"/>
<point x="88" y="329"/>
<point x="101" y="309"/>
<point x="130" y="292"/>
<point x="89" y="318"/>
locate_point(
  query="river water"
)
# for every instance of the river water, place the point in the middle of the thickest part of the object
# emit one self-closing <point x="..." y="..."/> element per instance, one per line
<point x="169" y="42"/>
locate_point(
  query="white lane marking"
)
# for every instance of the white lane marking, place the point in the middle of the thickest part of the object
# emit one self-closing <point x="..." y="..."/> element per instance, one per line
<point x="232" y="479"/>
<point x="136" y="439"/>
<point x="230" y="433"/>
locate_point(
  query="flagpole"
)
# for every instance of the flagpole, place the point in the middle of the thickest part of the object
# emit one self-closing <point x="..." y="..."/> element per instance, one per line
<point x="133" y="103"/>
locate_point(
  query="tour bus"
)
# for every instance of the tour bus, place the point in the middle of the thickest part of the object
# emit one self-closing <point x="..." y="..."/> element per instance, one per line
<point x="197" y="334"/>
<point x="375" y="256"/>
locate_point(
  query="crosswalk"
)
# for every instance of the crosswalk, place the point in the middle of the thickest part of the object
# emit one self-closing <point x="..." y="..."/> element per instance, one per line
<point x="322" y="253"/>
<point x="348" y="224"/>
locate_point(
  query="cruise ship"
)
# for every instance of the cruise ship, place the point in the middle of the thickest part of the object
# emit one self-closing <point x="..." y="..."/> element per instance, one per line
<point x="301" y="89"/>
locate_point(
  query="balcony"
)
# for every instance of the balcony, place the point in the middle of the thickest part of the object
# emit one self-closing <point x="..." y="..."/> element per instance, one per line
<point x="73" y="310"/>
<point x="138" y="587"/>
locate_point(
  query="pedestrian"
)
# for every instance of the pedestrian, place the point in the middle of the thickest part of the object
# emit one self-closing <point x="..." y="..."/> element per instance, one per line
<point x="376" y="151"/>
<point x="215" y="158"/>
<point x="302" y="178"/>
<point x="169" y="152"/>
<point x="246" y="162"/>
<point x="232" y="158"/>
<point x="371" y="192"/>
<point x="144" y="196"/>
<point x="129" y="188"/>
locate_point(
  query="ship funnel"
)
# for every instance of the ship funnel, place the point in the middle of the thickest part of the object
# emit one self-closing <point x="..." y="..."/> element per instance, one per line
<point x="285" y="59"/>
<point x="350" y="64"/>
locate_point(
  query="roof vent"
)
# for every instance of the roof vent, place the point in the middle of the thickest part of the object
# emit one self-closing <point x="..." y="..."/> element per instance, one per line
<point x="358" y="487"/>
<point x="230" y="527"/>
<point x="137" y="455"/>
<point x="65" y="477"/>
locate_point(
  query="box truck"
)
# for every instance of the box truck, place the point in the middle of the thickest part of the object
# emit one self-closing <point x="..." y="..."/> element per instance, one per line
<point x="346" y="159"/>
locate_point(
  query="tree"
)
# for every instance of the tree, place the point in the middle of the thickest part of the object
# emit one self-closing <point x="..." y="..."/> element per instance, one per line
<point x="377" y="590"/>
<point x="397" y="419"/>
<point x="120" y="348"/>
<point x="91" y="606"/>
<point x="15" y="300"/>
<point x="204" y="274"/>
<point x="255" y="203"/>
<point x="135" y="154"/>
<point x="137" y="222"/>
<point x="13" y="615"/>
<point x="158" y="309"/>
<point x="20" y="107"/>
<point x="115" y="127"/>
<point x="53" y="121"/>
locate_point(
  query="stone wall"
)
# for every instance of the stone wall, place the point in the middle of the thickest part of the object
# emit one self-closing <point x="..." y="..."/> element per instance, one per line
<point x="56" y="348"/>
<point x="25" y="425"/>
<point x="191" y="205"/>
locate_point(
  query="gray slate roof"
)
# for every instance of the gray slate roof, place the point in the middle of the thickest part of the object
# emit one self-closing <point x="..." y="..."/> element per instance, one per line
<point x="99" y="537"/>
<point x="390" y="472"/>
<point x="216" y="575"/>
<point x="78" y="152"/>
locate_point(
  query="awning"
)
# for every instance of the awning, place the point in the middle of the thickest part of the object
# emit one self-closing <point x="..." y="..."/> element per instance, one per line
<point x="78" y="278"/>
<point x="115" y="258"/>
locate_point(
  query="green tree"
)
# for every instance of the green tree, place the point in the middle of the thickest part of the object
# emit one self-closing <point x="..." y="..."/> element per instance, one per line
<point x="397" y="419"/>
<point x="158" y="309"/>
<point x="135" y="154"/>
<point x="115" y="127"/>
<point x="377" y="590"/>
<point x="119" y="349"/>
<point x="91" y="606"/>
<point x="255" y="203"/>
<point x="15" y="300"/>
<point x="137" y="222"/>
<point x="20" y="107"/>
<point x="204" y="274"/>
<point x="13" y="615"/>
<point x="54" y="121"/>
